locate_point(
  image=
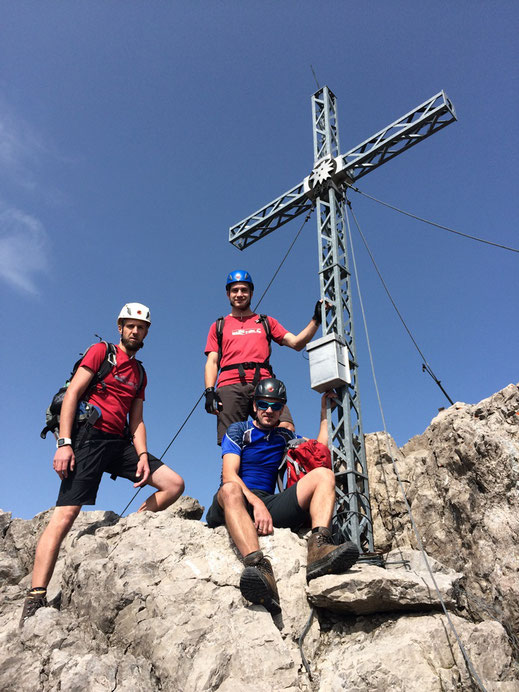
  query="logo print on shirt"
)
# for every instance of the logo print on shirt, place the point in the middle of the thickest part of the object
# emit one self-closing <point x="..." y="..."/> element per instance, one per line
<point x="126" y="381"/>
<point x="243" y="332"/>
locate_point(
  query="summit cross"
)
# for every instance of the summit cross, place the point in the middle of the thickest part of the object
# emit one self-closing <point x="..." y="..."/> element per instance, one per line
<point x="325" y="189"/>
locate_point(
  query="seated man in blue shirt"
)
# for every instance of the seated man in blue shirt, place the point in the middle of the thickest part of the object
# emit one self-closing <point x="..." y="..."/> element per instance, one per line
<point x="252" y="452"/>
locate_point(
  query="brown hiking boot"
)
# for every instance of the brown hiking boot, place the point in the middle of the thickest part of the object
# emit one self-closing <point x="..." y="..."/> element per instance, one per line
<point x="324" y="557"/>
<point x="36" y="598"/>
<point x="257" y="582"/>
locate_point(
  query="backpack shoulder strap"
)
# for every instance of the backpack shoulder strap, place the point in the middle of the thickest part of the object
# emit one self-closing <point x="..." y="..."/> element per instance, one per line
<point x="108" y="363"/>
<point x="219" y="337"/>
<point x="141" y="374"/>
<point x="266" y="326"/>
<point x="264" y="320"/>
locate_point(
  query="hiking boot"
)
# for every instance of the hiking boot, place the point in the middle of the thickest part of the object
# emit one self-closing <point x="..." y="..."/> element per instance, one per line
<point x="257" y="583"/>
<point x="36" y="598"/>
<point x="324" y="557"/>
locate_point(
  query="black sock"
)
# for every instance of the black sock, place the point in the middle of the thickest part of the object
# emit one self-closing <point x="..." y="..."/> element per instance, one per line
<point x="319" y="529"/>
<point x="253" y="557"/>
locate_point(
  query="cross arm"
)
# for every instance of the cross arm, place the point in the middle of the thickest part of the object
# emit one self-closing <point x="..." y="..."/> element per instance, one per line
<point x="270" y="217"/>
<point x="415" y="126"/>
<point x="420" y="123"/>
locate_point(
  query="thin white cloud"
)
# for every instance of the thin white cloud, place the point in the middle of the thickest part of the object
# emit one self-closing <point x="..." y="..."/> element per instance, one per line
<point x="20" y="149"/>
<point x="23" y="250"/>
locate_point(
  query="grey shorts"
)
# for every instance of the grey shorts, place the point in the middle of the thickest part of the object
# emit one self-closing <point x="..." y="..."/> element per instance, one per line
<point x="98" y="452"/>
<point x="283" y="507"/>
<point x="237" y="405"/>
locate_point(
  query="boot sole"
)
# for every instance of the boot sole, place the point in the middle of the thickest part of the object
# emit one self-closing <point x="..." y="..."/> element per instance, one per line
<point x="254" y="588"/>
<point x="336" y="562"/>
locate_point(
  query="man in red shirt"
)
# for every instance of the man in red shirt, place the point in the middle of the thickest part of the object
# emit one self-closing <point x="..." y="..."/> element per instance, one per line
<point x="242" y="357"/>
<point x="85" y="452"/>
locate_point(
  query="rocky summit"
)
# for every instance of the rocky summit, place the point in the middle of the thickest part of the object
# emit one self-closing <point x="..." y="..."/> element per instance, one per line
<point x="151" y="601"/>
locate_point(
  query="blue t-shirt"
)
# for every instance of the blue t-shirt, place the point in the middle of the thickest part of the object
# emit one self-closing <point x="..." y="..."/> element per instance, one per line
<point x="261" y="452"/>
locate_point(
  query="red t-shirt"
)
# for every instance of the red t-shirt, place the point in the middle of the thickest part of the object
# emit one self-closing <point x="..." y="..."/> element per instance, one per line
<point x="119" y="391"/>
<point x="243" y="340"/>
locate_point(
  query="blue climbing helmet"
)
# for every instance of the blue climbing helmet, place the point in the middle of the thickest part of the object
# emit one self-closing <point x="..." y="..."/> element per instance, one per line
<point x="239" y="276"/>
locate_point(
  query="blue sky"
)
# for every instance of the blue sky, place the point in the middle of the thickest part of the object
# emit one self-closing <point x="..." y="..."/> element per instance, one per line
<point x="133" y="135"/>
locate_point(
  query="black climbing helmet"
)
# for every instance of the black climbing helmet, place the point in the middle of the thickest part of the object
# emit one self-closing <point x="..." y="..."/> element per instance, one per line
<point x="271" y="388"/>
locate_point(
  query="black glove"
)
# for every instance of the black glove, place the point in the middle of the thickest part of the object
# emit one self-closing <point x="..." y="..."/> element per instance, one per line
<point x="213" y="403"/>
<point x="317" y="318"/>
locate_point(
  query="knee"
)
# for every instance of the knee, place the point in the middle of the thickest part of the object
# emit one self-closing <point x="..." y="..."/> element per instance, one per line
<point x="177" y="485"/>
<point x="64" y="517"/>
<point x="229" y="493"/>
<point x="168" y="481"/>
<point x="324" y="476"/>
<point x="288" y="425"/>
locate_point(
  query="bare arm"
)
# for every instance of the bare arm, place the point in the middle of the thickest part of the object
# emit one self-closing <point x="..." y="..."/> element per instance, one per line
<point x="64" y="459"/>
<point x="138" y="432"/>
<point x="211" y="369"/>
<point x="299" y="341"/>
<point x="213" y="403"/>
<point x="322" y="437"/>
<point x="262" y="517"/>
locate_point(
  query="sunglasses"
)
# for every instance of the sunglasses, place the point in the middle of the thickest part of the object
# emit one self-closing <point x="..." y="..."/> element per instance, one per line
<point x="274" y="405"/>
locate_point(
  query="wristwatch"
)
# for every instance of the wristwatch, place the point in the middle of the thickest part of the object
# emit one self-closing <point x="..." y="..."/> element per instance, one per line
<point x="62" y="441"/>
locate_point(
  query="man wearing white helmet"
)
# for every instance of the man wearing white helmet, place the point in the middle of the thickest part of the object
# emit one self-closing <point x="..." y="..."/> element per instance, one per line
<point x="86" y="451"/>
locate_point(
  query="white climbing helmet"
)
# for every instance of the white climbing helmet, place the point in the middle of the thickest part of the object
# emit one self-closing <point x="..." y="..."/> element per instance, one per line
<point x="135" y="311"/>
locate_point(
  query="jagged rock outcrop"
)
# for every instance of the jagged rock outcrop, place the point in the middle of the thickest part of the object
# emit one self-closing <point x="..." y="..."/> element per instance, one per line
<point x="461" y="478"/>
<point x="151" y="601"/>
<point x="403" y="584"/>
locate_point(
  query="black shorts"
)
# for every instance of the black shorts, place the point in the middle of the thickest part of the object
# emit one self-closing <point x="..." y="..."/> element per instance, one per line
<point x="98" y="452"/>
<point x="283" y="507"/>
<point x="237" y="401"/>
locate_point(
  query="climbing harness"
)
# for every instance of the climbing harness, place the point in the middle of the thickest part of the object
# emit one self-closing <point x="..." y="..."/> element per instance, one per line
<point x="251" y="365"/>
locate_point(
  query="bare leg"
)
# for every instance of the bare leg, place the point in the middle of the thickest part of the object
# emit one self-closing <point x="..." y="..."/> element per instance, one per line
<point x="239" y="524"/>
<point x="170" y="487"/>
<point x="316" y="494"/>
<point x="50" y="542"/>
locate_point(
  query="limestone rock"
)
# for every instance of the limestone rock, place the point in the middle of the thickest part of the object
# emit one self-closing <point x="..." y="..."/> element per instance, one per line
<point x="413" y="653"/>
<point x="21" y="537"/>
<point x="461" y="478"/>
<point x="187" y="508"/>
<point x="369" y="589"/>
<point x="151" y="602"/>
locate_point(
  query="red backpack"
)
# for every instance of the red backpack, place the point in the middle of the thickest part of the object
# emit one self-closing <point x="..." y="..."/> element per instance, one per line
<point x="301" y="457"/>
